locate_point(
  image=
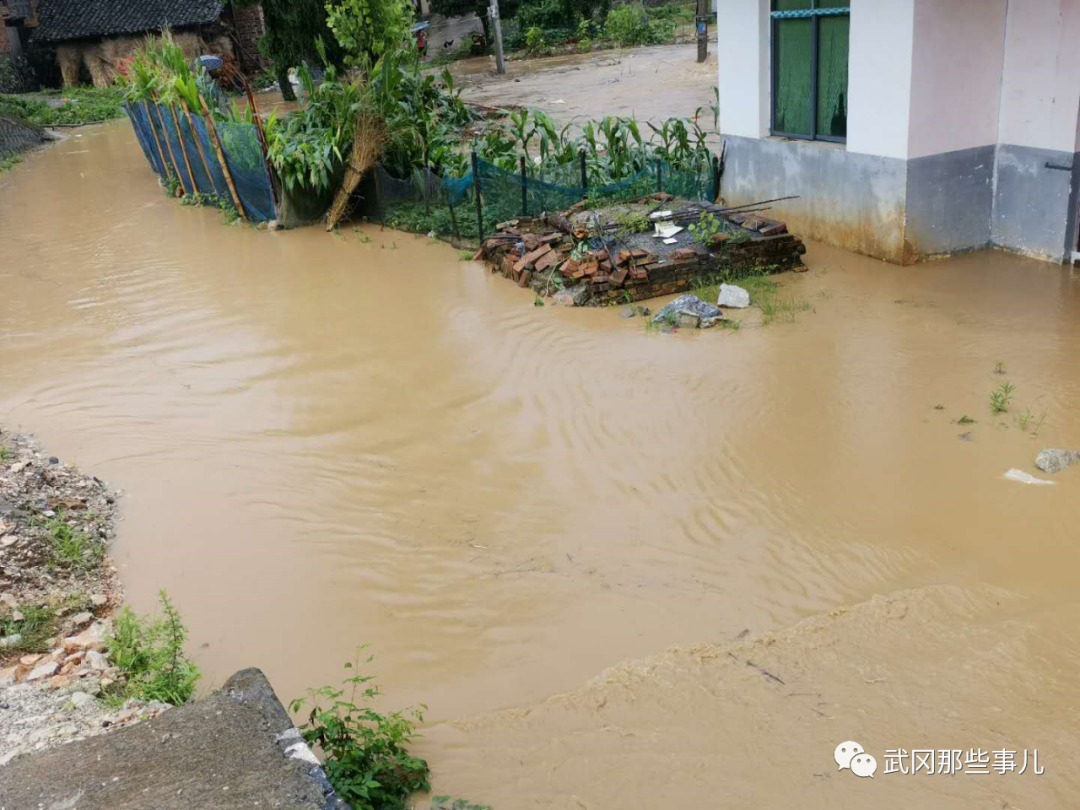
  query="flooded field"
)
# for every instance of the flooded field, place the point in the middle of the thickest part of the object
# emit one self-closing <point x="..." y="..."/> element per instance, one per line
<point x="326" y="442"/>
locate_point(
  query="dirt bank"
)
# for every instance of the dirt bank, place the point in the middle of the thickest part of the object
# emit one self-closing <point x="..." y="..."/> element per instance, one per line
<point x="57" y="589"/>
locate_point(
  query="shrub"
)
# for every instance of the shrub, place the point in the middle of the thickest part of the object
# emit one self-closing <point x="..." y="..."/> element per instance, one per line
<point x="150" y="653"/>
<point x="366" y="757"/>
<point x="629" y="25"/>
<point x="535" y="40"/>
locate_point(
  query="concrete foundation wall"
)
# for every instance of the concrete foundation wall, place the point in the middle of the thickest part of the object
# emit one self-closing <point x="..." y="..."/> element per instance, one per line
<point x="950" y="198"/>
<point x="1034" y="205"/>
<point x="848" y="199"/>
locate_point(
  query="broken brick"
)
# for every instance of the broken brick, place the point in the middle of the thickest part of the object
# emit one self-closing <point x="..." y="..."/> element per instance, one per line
<point x="525" y="277"/>
<point x="531" y="257"/>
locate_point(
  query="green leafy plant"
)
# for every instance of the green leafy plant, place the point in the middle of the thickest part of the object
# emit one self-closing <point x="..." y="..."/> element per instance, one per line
<point x="1000" y="398"/>
<point x="150" y="652"/>
<point x="965" y="420"/>
<point x="629" y="25"/>
<point x="5" y="453"/>
<point x="367" y="760"/>
<point x="535" y="41"/>
<point x="705" y="228"/>
<point x="366" y="29"/>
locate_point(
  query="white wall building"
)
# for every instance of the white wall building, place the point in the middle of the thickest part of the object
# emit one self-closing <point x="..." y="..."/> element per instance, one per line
<point x="910" y="128"/>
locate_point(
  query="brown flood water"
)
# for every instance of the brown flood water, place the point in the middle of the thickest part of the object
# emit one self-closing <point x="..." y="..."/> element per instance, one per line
<point x="325" y="443"/>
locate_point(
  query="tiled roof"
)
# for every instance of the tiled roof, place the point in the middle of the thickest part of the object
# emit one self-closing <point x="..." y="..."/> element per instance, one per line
<point x="60" y="20"/>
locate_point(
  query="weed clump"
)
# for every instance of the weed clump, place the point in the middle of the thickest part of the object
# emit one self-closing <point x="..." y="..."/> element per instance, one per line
<point x="150" y="653"/>
<point x="1000" y="398"/>
<point x="367" y="761"/>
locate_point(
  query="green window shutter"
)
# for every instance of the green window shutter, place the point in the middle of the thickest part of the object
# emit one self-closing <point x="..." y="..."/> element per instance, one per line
<point x="790" y="5"/>
<point x="794" y="113"/>
<point x="832" y="76"/>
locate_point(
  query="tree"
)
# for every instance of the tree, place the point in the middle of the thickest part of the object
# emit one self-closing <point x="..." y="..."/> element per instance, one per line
<point x="292" y="27"/>
<point x="366" y="29"/>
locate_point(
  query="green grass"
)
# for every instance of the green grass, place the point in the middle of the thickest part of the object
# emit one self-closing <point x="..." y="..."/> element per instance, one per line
<point x="5" y="453"/>
<point x="465" y="255"/>
<point x="764" y="294"/>
<point x="39" y="624"/>
<point x="83" y="105"/>
<point x="71" y="548"/>
<point x="965" y="420"/>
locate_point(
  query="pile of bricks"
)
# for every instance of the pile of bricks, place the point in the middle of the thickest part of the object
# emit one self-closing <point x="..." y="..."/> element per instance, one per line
<point x="546" y="255"/>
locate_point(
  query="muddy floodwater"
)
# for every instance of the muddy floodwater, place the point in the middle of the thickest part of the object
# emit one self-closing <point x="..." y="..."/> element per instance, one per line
<point x="622" y="568"/>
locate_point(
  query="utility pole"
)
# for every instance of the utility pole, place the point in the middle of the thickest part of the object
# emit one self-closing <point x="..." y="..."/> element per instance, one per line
<point x="703" y="15"/>
<point x="496" y="26"/>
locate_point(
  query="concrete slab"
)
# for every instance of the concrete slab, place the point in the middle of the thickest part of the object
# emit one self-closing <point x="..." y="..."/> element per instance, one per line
<point x="235" y="748"/>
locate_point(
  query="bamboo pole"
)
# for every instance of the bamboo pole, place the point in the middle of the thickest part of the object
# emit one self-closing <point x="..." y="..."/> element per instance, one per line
<point x="198" y="146"/>
<point x="183" y="150"/>
<point x="165" y="135"/>
<point x="262" y="137"/>
<point x="153" y="131"/>
<point x="221" y="158"/>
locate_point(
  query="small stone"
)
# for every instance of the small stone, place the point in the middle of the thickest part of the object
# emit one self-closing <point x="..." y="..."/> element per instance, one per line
<point x="19" y="466"/>
<point x="42" y="671"/>
<point x="80" y="619"/>
<point x="49" y="513"/>
<point x="98" y="600"/>
<point x="17" y="616"/>
<point x="7" y="642"/>
<point x="80" y="699"/>
<point x="97" y="661"/>
<point x="733" y="297"/>
<point x="1054" y="461"/>
<point x="628" y="313"/>
<point x="644" y="312"/>
<point x="8" y="540"/>
<point x="7" y="675"/>
<point x="30" y="660"/>
<point x="60" y="681"/>
<point x="9" y="600"/>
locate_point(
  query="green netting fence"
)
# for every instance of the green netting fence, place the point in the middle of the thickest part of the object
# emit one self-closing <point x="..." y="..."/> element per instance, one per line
<point x="167" y="136"/>
<point x="470" y="206"/>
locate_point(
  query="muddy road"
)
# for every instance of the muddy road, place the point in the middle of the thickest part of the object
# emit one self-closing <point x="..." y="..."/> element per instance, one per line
<point x="652" y="84"/>
<point x="327" y="442"/>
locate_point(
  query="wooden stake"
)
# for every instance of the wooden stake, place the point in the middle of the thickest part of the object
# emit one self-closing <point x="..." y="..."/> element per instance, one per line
<point x="198" y="146"/>
<point x="221" y="158"/>
<point x="183" y="150"/>
<point x="165" y="135"/>
<point x="161" y="152"/>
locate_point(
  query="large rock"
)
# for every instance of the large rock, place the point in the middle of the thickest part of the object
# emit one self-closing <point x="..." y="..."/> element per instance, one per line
<point x="1054" y="461"/>
<point x="733" y="297"/>
<point x="689" y="311"/>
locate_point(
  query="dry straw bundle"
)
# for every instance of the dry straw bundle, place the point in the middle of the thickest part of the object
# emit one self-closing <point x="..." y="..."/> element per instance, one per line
<point x="369" y="138"/>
